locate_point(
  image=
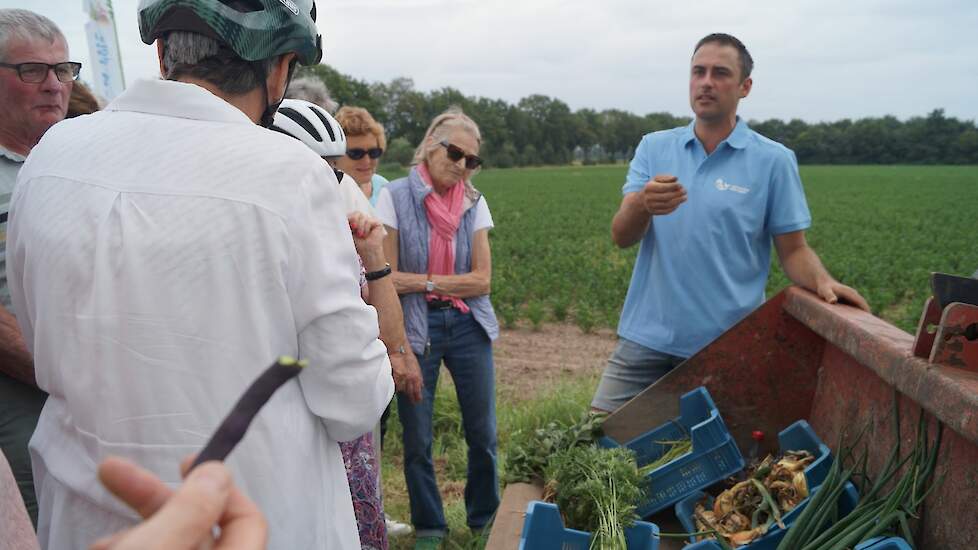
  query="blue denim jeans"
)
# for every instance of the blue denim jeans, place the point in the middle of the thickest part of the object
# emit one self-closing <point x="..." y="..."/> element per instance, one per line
<point x="631" y="368"/>
<point x="458" y="340"/>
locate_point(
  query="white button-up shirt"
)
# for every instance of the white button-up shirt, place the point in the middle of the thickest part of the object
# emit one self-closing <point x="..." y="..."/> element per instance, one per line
<point x="161" y="254"/>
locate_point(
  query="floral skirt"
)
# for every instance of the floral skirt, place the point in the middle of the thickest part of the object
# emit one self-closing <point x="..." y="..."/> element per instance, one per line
<point x="363" y="474"/>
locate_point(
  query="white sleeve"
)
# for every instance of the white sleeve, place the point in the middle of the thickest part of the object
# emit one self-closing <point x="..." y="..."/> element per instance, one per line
<point x="348" y="383"/>
<point x="353" y="197"/>
<point x="385" y="208"/>
<point x="483" y="219"/>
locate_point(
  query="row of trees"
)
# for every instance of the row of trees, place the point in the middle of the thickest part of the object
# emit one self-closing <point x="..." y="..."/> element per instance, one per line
<point x="540" y="130"/>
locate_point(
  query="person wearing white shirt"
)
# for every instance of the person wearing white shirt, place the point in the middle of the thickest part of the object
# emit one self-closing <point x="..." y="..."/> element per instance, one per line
<point x="315" y="128"/>
<point x="162" y="252"/>
<point x="36" y="80"/>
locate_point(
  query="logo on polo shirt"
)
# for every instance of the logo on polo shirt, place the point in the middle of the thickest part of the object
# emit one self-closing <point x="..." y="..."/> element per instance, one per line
<point x="291" y="5"/>
<point x="724" y="186"/>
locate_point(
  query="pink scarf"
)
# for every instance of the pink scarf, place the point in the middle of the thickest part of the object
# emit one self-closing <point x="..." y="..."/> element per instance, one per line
<point x="444" y="214"/>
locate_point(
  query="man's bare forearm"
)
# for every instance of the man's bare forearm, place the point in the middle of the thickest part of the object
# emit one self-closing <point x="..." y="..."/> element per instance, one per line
<point x="631" y="222"/>
<point x="804" y="268"/>
<point x="15" y="360"/>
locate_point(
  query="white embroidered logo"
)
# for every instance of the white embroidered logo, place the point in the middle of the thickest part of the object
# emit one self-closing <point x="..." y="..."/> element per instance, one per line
<point x="291" y="5"/>
<point x="724" y="186"/>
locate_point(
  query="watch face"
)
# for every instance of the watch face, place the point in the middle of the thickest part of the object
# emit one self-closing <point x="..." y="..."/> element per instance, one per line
<point x="429" y="286"/>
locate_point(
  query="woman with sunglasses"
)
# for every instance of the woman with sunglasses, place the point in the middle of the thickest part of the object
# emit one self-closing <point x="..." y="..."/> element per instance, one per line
<point x="438" y="246"/>
<point x="365" y="143"/>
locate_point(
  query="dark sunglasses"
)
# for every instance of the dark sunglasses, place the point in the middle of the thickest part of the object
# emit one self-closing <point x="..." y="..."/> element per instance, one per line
<point x="456" y="154"/>
<point x="35" y="73"/>
<point x="357" y="154"/>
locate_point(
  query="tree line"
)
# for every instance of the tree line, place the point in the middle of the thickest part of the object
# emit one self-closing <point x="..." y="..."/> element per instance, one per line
<point x="540" y="130"/>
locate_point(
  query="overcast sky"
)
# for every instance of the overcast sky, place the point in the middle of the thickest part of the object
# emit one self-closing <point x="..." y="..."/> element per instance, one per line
<point x="814" y="60"/>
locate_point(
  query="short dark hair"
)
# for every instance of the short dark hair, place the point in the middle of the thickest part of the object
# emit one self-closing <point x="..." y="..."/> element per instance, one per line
<point x="189" y="54"/>
<point x="723" y="39"/>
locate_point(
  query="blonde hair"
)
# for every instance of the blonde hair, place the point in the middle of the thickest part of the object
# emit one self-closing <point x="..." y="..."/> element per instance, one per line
<point x="356" y="121"/>
<point x="440" y="128"/>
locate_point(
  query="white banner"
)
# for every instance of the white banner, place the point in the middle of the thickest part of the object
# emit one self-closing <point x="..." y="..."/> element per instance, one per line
<point x="103" y="49"/>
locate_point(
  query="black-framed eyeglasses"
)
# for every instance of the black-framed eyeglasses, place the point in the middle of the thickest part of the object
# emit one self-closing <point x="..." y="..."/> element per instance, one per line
<point x="455" y="154"/>
<point x="358" y="153"/>
<point x="35" y="72"/>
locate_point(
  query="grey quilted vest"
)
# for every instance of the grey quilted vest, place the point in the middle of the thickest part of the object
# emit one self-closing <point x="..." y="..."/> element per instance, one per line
<point x="408" y="195"/>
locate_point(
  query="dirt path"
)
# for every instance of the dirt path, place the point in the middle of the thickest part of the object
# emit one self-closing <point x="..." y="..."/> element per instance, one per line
<point x="528" y="360"/>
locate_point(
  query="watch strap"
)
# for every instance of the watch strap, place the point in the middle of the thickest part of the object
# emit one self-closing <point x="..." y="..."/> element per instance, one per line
<point x="379" y="274"/>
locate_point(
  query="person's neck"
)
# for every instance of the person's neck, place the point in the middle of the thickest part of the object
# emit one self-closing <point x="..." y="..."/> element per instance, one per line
<point x="367" y="188"/>
<point x="441" y="188"/>
<point x="437" y="186"/>
<point x="249" y="103"/>
<point x="712" y="132"/>
<point x="16" y="142"/>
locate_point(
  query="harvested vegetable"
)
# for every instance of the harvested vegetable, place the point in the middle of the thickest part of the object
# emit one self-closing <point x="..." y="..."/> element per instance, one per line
<point x="529" y="451"/>
<point x="877" y="513"/>
<point x="234" y="426"/>
<point x="676" y="449"/>
<point x="596" y="490"/>
<point x="747" y="510"/>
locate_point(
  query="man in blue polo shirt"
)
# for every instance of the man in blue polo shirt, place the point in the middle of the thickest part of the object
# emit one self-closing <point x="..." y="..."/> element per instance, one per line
<point x="706" y="201"/>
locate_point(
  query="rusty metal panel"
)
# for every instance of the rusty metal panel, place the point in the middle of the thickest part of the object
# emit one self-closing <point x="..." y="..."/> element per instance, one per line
<point x="851" y="398"/>
<point x="761" y="374"/>
<point x="956" y="341"/>
<point x="951" y="394"/>
<point x="927" y="329"/>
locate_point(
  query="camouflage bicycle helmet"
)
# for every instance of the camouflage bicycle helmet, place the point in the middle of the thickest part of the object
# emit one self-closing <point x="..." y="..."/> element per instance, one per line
<point x="253" y="29"/>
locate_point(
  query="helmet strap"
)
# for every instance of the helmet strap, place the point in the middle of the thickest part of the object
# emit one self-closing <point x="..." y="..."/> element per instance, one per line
<point x="268" y="117"/>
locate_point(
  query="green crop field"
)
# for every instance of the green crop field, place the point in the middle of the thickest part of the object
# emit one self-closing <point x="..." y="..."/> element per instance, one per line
<point x="881" y="229"/>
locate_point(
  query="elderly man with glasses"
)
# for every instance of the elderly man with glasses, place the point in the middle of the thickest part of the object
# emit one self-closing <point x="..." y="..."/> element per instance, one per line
<point x="35" y="83"/>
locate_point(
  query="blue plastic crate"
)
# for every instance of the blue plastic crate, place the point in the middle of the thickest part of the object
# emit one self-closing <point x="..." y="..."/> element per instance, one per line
<point x="704" y="545"/>
<point x="880" y="543"/>
<point x="847" y="502"/>
<point x="543" y="529"/>
<point x="797" y="437"/>
<point x="714" y="457"/>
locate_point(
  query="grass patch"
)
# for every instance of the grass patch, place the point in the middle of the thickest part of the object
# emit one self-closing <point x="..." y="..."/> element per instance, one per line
<point x="565" y="401"/>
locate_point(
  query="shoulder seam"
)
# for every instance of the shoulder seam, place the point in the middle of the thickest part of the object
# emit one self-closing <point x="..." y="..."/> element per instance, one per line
<point x="120" y="189"/>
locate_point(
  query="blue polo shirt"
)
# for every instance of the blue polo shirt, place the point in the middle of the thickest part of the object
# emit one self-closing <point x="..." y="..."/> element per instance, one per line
<point x="703" y="267"/>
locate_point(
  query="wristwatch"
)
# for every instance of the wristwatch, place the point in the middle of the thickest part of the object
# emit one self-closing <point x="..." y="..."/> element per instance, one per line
<point x="429" y="286"/>
<point x="379" y="274"/>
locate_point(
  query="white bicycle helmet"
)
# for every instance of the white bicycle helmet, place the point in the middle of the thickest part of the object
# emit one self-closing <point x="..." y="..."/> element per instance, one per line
<point x="312" y="125"/>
